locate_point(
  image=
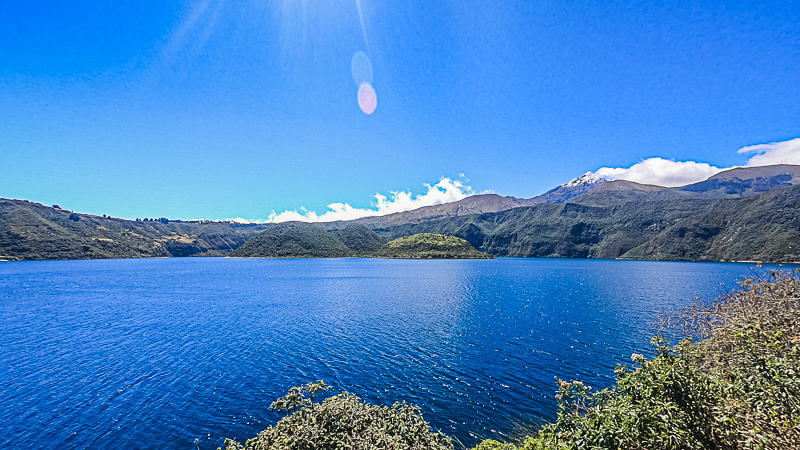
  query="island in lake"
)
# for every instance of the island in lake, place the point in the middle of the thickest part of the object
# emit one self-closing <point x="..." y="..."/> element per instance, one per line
<point x="430" y="245"/>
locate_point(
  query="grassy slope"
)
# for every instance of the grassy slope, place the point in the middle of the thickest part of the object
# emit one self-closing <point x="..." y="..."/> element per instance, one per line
<point x="764" y="227"/>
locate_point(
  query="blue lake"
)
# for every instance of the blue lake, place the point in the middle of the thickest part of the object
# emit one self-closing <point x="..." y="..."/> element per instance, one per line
<point x="155" y="353"/>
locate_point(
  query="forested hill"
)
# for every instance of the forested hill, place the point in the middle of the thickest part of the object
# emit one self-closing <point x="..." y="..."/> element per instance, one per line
<point x="296" y="240"/>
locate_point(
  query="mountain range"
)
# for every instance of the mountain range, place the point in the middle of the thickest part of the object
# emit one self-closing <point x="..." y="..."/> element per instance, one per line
<point x="750" y="213"/>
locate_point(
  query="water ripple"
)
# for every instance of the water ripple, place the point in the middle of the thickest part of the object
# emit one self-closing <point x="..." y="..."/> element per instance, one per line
<point x="157" y="353"/>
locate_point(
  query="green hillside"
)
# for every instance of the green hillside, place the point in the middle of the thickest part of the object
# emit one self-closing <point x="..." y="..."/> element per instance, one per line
<point x="360" y="239"/>
<point x="306" y="240"/>
<point x="763" y="227"/>
<point x="34" y="231"/>
<point x="428" y="245"/>
<point x="300" y="240"/>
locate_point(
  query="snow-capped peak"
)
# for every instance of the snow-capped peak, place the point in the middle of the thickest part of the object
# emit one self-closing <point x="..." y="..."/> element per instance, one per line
<point x="587" y="178"/>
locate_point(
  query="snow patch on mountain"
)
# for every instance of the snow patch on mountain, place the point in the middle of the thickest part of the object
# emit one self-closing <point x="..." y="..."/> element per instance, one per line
<point x="587" y="178"/>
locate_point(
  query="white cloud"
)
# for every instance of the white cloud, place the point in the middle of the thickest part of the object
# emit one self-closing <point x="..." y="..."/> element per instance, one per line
<point x="445" y="191"/>
<point x="671" y="173"/>
<point x="661" y="172"/>
<point x="238" y="220"/>
<point x="656" y="171"/>
<point x="786" y="152"/>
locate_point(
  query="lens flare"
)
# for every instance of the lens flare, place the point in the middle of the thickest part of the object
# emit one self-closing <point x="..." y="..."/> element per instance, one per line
<point x="367" y="99"/>
<point x="361" y="68"/>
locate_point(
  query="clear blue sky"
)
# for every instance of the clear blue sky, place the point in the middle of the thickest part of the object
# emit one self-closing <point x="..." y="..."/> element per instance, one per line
<point x="219" y="108"/>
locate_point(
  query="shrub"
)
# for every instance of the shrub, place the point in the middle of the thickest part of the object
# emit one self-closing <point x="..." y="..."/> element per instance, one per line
<point x="752" y="345"/>
<point x="343" y="421"/>
<point x="739" y="387"/>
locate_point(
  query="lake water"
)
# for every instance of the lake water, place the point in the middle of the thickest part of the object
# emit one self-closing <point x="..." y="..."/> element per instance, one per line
<point x="154" y="353"/>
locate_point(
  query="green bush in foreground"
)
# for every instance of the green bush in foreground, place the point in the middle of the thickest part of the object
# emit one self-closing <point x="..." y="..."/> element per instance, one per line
<point x="737" y="388"/>
<point x="343" y="421"/>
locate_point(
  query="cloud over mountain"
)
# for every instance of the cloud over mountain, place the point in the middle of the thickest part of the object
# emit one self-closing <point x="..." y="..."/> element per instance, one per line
<point x="785" y="152"/>
<point x="656" y="171"/>
<point x="671" y="173"/>
<point x="445" y="191"/>
<point x="661" y="172"/>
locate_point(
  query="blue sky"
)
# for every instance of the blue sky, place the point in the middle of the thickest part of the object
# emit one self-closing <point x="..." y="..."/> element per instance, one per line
<point x="219" y="109"/>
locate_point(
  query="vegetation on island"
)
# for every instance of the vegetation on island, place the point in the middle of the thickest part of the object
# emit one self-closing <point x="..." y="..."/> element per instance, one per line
<point x="298" y="240"/>
<point x="360" y="239"/>
<point x="430" y="245"/>
<point x="737" y="387"/>
<point x="305" y="240"/>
